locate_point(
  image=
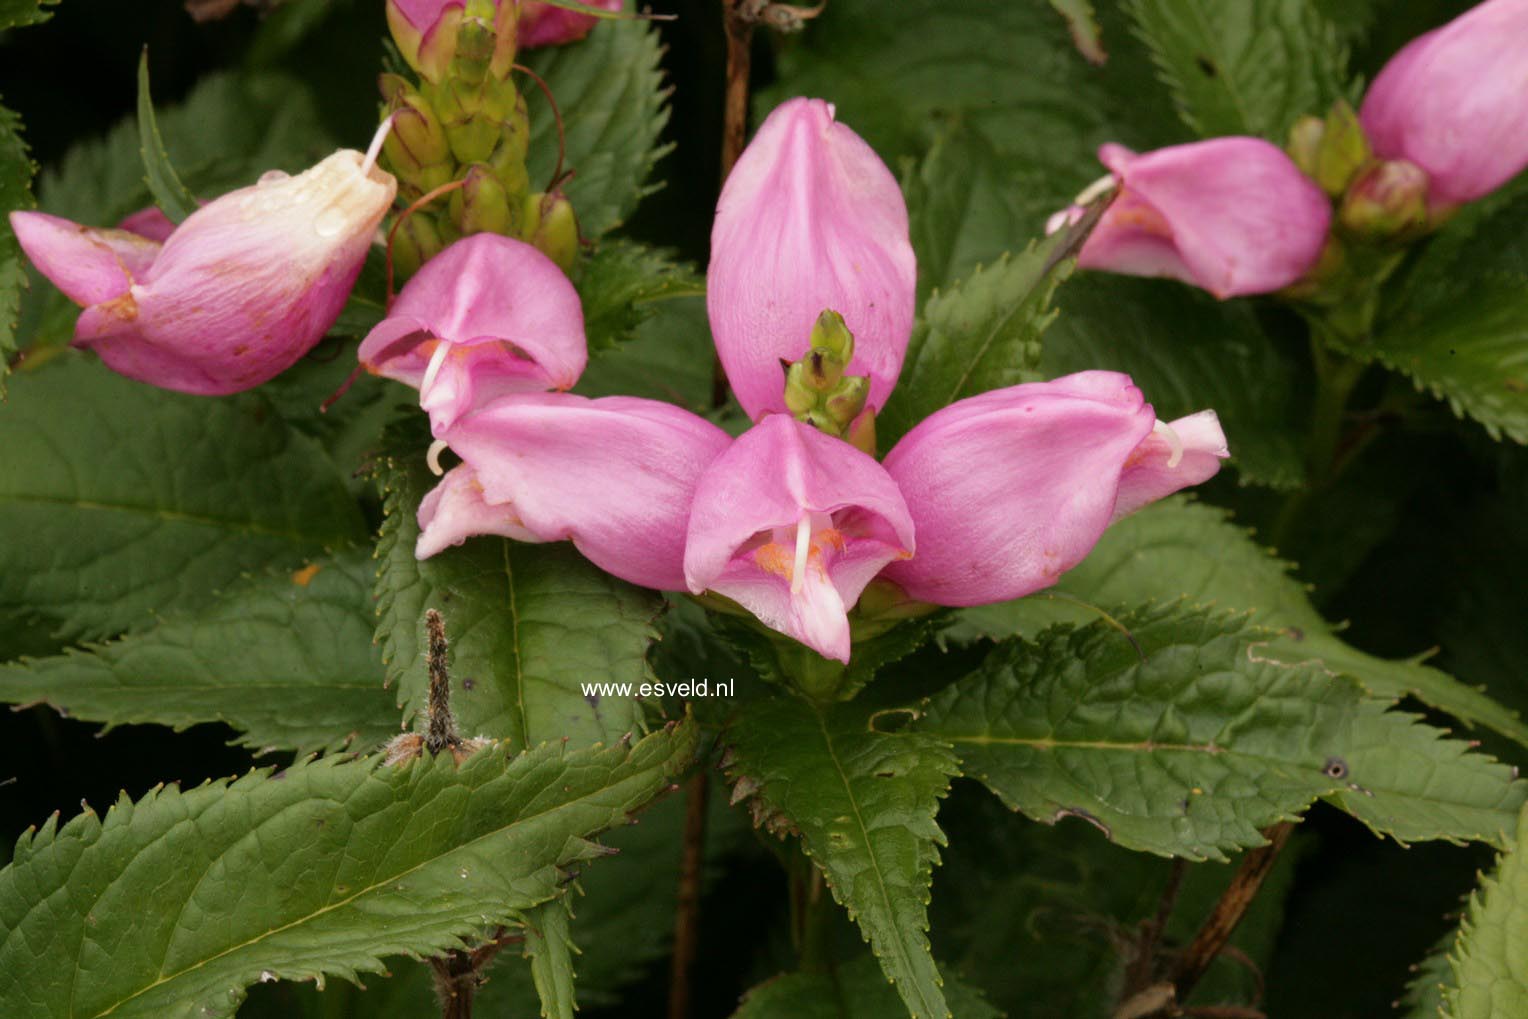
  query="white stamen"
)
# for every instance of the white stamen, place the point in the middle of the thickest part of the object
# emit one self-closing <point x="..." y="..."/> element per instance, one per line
<point x="433" y="456"/>
<point x="1165" y="430"/>
<point x="1093" y="190"/>
<point x="375" y="148"/>
<point x="803" y="546"/>
<point x="442" y="348"/>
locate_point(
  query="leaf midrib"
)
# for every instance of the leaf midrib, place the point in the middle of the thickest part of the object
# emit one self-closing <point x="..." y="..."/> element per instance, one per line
<point x="229" y="524"/>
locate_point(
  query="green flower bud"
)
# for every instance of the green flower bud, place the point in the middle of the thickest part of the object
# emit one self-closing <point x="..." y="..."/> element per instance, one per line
<point x="1388" y="202"/>
<point x="416" y="150"/>
<point x="1343" y="150"/>
<point x="830" y="334"/>
<point x="847" y="400"/>
<point x="555" y="229"/>
<point x="1304" y="143"/>
<point x="861" y="432"/>
<point x="416" y="242"/>
<point x="482" y="205"/>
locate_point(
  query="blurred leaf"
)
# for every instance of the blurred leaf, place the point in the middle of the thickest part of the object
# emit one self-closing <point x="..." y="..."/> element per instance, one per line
<point x="1424" y="991"/>
<point x="175" y="904"/>
<point x="1244" y="66"/>
<point x="24" y="12"/>
<point x="1187" y="352"/>
<point x="1490" y="976"/>
<point x="15" y="193"/>
<point x="621" y="287"/>
<point x="614" y="105"/>
<point x="286" y="659"/>
<point x="169" y="193"/>
<point x="855" y="991"/>
<point x="1083" y="24"/>
<point x="864" y="803"/>
<point x="1181" y="549"/>
<point x="528" y="624"/>
<point x="122" y="499"/>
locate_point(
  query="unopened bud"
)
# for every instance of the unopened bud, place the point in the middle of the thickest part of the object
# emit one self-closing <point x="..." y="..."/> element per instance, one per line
<point x="416" y="150"/>
<point x="555" y="229"/>
<point x="426" y="35"/>
<point x="800" y="395"/>
<point x="482" y="205"/>
<point x="1387" y="202"/>
<point x="829" y="333"/>
<point x="861" y="434"/>
<point x="1343" y="151"/>
<point x="416" y="242"/>
<point x="847" y="400"/>
<point x="1304" y="143"/>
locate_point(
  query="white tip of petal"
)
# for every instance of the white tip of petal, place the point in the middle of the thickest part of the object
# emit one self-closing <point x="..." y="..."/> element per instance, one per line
<point x="803" y="546"/>
<point x="433" y="369"/>
<point x="1094" y="190"/>
<point x="375" y="148"/>
<point x="433" y="456"/>
<point x="1165" y="430"/>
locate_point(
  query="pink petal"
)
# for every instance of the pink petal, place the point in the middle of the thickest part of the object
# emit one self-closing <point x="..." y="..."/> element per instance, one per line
<point x="1176" y="455"/>
<point x="544" y="25"/>
<point x="149" y="222"/>
<point x="809" y="219"/>
<point x="455" y="510"/>
<point x="89" y="265"/>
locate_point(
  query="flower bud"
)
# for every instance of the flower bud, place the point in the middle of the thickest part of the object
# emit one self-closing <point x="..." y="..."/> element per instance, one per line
<point x="415" y="242"/>
<point x="1304" y="145"/>
<point x="1388" y="202"/>
<point x="416" y="149"/>
<point x="810" y="218"/>
<point x="482" y="205"/>
<point x="1012" y="488"/>
<point x="542" y="24"/>
<point x="1231" y="215"/>
<point x="240" y="290"/>
<point x="552" y="227"/>
<point x="486" y="317"/>
<point x="1344" y="149"/>
<point x="1455" y="103"/>
<point x="426" y="31"/>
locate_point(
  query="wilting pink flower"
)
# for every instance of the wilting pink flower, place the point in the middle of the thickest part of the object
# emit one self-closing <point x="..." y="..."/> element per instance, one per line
<point x="1455" y="102"/>
<point x="542" y="24"/>
<point x="615" y="476"/>
<point x="240" y="290"/>
<point x="809" y="219"/>
<point x="792" y="524"/>
<point x="487" y="316"/>
<point x="1231" y="215"/>
<point x="1012" y="488"/>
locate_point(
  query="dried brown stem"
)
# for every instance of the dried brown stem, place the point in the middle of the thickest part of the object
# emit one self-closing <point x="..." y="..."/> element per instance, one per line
<point x="687" y="909"/>
<point x="459" y="974"/>
<point x="442" y="731"/>
<point x="1142" y="968"/>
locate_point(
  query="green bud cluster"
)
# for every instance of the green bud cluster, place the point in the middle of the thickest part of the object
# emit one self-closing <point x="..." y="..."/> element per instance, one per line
<point x="467" y="122"/>
<point x="818" y="393"/>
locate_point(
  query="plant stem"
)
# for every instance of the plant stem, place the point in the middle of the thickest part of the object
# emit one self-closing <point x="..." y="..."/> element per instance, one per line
<point x="1142" y="970"/>
<point x="1336" y="377"/>
<point x="738" y="24"/>
<point x="687" y="908"/>
<point x="812" y="911"/>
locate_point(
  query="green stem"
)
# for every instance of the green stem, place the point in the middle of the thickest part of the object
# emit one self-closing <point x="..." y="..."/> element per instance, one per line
<point x="1336" y="377"/>
<point x="812" y="909"/>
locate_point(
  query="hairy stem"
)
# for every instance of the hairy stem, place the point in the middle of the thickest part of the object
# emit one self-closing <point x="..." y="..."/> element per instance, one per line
<point x="687" y="916"/>
<point x="442" y="731"/>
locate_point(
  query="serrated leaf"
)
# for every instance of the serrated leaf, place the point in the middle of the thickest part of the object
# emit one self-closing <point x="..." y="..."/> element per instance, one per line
<point x="1244" y="66"/>
<point x="126" y="499"/>
<point x="1169" y="732"/>
<point x="614" y="107"/>
<point x="1187" y="353"/>
<point x="169" y="193"/>
<point x="864" y="803"/>
<point x="15" y="194"/>
<point x="1181" y="549"/>
<point x="286" y="659"/>
<point x="981" y="334"/>
<point x="528" y="624"/>
<point x="621" y="285"/>
<point x="856" y="991"/>
<point x="670" y="358"/>
<point x="1490" y="960"/>
<point x="323" y="869"/>
<point x="1424" y="991"/>
<point x="24" y="12"/>
<point x="549" y="947"/>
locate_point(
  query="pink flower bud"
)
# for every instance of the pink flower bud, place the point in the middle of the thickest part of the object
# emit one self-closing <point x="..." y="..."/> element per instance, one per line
<point x="1232" y="215"/>
<point x="614" y="475"/>
<point x="792" y="524"/>
<point x="1012" y="488"/>
<point x="240" y="290"/>
<point x="1455" y="102"/>
<point x="809" y="220"/>
<point x="487" y="316"/>
<point x="542" y="24"/>
<point x="426" y="32"/>
<point x="149" y="222"/>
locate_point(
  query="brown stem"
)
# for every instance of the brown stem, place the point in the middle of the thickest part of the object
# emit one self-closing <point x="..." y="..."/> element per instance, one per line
<point x="687" y="908"/>
<point x="1143" y="967"/>
<point x="458" y="975"/>
<point x="442" y="730"/>
<point x="1228" y="912"/>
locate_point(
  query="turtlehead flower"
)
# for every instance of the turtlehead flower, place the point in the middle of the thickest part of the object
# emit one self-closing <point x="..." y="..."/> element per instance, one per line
<point x="1233" y="216"/>
<point x="1012" y="488"/>
<point x="486" y="317"/>
<point x="426" y="32"/>
<point x="615" y="476"/>
<point x="809" y="220"/>
<point x="792" y="524"/>
<point x="236" y="294"/>
<point x="1455" y="103"/>
<point x="542" y="24"/>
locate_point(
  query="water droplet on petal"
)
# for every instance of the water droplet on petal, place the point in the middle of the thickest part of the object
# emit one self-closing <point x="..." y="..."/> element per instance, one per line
<point x="329" y="222"/>
<point x="271" y="177"/>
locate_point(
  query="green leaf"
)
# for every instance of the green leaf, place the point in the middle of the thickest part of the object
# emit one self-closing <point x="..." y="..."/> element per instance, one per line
<point x="621" y="286"/>
<point x="981" y="334"/>
<point x="24" y="12"/>
<point x="614" y="106"/>
<point x="15" y="193"/>
<point x="1244" y="66"/>
<point x="287" y="660"/>
<point x="669" y="358"/>
<point x="1181" y="549"/>
<point x="1490" y="973"/>
<point x="549" y="947"/>
<point x="1424" y="991"/>
<point x="1170" y="733"/>
<point x="528" y="624"/>
<point x="1083" y="24"/>
<point x="169" y="193"/>
<point x="133" y="499"/>
<point x="1187" y="352"/>
<point x="864" y="803"/>
<point x="175" y="904"/>
<point x="855" y="991"/>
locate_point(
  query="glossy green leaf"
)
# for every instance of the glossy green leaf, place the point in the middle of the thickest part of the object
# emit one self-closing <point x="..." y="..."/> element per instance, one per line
<point x="169" y="193"/>
<point x="175" y="904"/>
<point x="1490" y="958"/>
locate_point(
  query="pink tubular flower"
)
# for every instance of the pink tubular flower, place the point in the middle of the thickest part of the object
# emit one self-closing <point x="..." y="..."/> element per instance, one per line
<point x="1233" y="216"/>
<point x="1455" y="102"/>
<point x="614" y="475"/>
<point x="542" y="24"/>
<point x="792" y="524"/>
<point x="1010" y="489"/>
<point x="487" y="316"/>
<point x="810" y="219"/>
<point x="240" y="290"/>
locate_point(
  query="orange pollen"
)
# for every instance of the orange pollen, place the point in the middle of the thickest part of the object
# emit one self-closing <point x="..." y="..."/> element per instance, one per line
<point x="776" y="559"/>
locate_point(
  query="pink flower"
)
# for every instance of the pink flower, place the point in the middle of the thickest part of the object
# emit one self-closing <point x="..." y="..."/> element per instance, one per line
<point x="1012" y="488"/>
<point x="542" y="24"/>
<point x="487" y="316"/>
<point x="810" y="219"/>
<point x="1232" y="215"/>
<point x="1455" y="102"/>
<point x="149" y="222"/>
<point x="792" y="524"/>
<point x="240" y="290"/>
<point x="615" y="476"/>
<point x="426" y="32"/>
